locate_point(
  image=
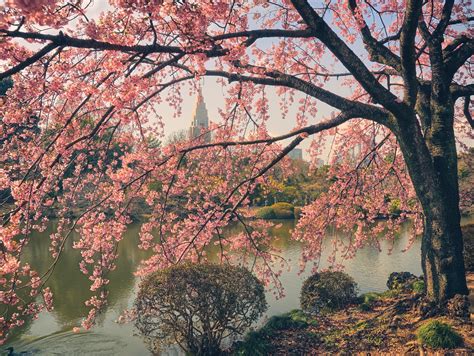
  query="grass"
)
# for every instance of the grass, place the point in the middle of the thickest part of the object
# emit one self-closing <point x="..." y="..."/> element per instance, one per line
<point x="438" y="335"/>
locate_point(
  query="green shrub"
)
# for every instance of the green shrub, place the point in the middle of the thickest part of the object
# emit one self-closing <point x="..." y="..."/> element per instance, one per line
<point x="283" y="206"/>
<point x="418" y="287"/>
<point x="327" y="291"/>
<point x="283" y="213"/>
<point x="265" y="213"/>
<point x="295" y="319"/>
<point x="197" y="306"/>
<point x="254" y="344"/>
<point x="277" y="211"/>
<point x="402" y="281"/>
<point x="367" y="300"/>
<point x="437" y="335"/>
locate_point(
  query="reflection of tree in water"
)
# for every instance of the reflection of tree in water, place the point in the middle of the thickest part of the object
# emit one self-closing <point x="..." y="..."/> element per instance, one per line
<point x="70" y="287"/>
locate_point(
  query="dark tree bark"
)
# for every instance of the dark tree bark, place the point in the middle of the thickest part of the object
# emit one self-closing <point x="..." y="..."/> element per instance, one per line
<point x="429" y="150"/>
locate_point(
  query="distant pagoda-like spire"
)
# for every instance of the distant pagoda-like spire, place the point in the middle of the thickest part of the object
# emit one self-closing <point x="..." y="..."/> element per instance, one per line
<point x="200" y="120"/>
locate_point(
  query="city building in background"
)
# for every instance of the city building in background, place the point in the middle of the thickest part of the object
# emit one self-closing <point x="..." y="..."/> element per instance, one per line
<point x="200" y="121"/>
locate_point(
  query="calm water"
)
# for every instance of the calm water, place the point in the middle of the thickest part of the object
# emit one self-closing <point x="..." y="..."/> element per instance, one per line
<point x="51" y="333"/>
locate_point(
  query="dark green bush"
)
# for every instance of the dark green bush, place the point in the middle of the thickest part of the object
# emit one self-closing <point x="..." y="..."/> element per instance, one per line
<point x="437" y="335"/>
<point x="367" y="300"/>
<point x="402" y="281"/>
<point x="266" y="213"/>
<point x="327" y="291"/>
<point x="294" y="319"/>
<point x="277" y="211"/>
<point x="197" y="306"/>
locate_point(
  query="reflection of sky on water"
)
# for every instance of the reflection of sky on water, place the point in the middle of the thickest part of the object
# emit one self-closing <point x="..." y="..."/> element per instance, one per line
<point x="51" y="333"/>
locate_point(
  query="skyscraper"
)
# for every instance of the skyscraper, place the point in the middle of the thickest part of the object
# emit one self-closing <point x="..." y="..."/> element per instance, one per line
<point x="200" y="120"/>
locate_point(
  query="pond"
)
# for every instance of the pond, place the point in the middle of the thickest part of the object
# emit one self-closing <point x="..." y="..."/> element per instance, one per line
<point x="51" y="333"/>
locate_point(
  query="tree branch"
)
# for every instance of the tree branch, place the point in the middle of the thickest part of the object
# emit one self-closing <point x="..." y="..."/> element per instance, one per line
<point x="459" y="57"/>
<point x="276" y="78"/>
<point x="29" y="61"/>
<point x="347" y="57"/>
<point x="408" y="50"/>
<point x="377" y="51"/>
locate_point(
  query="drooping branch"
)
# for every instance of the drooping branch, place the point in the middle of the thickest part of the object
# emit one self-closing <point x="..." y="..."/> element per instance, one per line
<point x="301" y="134"/>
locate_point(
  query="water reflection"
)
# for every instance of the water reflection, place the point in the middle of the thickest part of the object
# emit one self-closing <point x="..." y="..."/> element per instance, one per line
<point x="50" y="333"/>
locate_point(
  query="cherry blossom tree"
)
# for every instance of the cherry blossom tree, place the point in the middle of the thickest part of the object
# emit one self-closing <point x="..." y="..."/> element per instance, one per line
<point x="79" y="126"/>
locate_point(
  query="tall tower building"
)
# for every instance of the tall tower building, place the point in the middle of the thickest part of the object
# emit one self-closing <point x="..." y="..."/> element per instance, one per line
<point x="200" y="121"/>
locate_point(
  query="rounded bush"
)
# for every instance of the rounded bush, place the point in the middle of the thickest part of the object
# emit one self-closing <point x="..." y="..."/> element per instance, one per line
<point x="277" y="211"/>
<point x="327" y="290"/>
<point x="401" y="281"/>
<point x="283" y="206"/>
<point x="197" y="306"/>
<point x="437" y="335"/>
<point x="266" y="213"/>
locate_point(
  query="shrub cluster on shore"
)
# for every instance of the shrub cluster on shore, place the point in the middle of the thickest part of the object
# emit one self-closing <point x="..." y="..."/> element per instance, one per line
<point x="200" y="305"/>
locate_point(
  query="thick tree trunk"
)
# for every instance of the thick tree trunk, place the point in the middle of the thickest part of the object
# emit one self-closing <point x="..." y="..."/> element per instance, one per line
<point x="432" y="165"/>
<point x="442" y="257"/>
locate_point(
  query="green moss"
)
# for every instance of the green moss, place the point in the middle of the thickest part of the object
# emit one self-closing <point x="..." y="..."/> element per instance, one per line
<point x="438" y="335"/>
